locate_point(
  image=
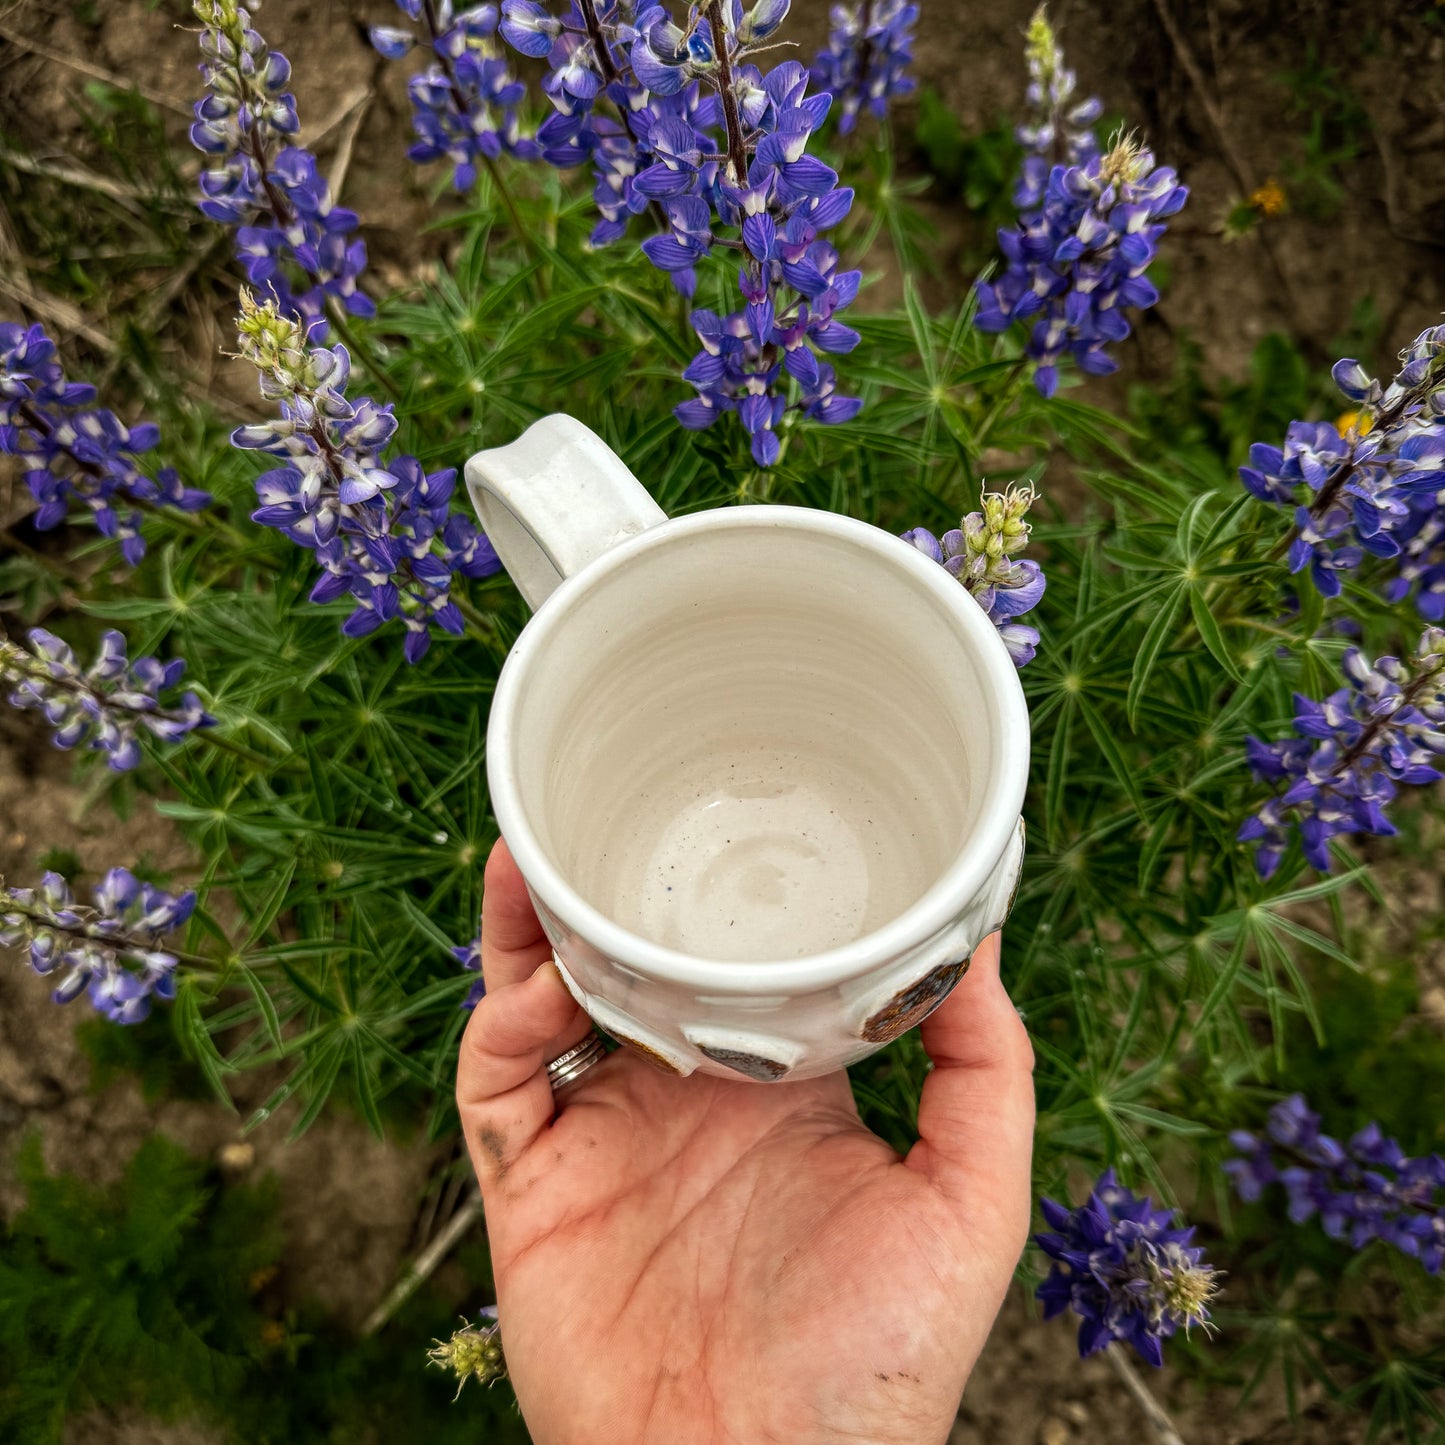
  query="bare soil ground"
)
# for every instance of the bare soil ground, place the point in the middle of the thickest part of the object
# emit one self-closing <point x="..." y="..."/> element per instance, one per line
<point x="1203" y="80"/>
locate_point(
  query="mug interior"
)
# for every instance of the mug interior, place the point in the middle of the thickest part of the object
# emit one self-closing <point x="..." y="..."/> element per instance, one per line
<point x="756" y="741"/>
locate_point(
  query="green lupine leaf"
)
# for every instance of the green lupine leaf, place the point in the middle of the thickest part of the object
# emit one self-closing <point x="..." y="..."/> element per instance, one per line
<point x="1211" y="635"/>
<point x="1155" y="640"/>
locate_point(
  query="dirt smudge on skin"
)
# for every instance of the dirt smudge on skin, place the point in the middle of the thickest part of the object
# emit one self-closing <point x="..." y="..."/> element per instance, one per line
<point x="494" y="1145"/>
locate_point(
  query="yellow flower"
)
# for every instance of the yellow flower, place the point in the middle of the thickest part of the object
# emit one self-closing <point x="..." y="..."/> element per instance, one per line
<point x="1269" y="199"/>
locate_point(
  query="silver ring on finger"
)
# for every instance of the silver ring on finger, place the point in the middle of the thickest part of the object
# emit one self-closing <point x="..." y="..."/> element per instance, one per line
<point x="567" y="1068"/>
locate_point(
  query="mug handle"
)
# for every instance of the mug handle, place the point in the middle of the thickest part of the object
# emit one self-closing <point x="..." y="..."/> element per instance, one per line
<point x="554" y="500"/>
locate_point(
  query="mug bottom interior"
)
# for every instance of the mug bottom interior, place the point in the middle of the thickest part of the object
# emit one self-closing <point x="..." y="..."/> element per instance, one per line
<point x="756" y="743"/>
<point x="745" y="850"/>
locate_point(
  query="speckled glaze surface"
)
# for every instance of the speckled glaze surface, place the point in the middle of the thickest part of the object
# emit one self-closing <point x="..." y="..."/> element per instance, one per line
<point x="761" y="767"/>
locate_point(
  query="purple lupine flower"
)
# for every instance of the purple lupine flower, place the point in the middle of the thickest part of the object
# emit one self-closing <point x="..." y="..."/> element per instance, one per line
<point x="980" y="554"/>
<point x="470" y="958"/>
<point x="110" y="950"/>
<point x="380" y="528"/>
<point x="1363" y="1190"/>
<point x="1125" y="1269"/>
<point x="464" y="106"/>
<point x="596" y="54"/>
<point x="293" y="241"/>
<point x="791" y="281"/>
<point x="107" y="705"/>
<point x="1078" y="263"/>
<point x="74" y="451"/>
<point x="1088" y="231"/>
<point x="1059" y="130"/>
<point x="1375" y="485"/>
<point x="1351" y="753"/>
<point x="866" y="63"/>
<point x="718" y="151"/>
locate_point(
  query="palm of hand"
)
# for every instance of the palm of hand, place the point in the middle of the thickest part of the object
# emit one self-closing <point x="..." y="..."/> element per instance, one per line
<point x="692" y="1261"/>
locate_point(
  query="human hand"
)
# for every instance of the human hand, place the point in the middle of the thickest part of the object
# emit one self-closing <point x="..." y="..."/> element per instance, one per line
<point x="697" y="1262"/>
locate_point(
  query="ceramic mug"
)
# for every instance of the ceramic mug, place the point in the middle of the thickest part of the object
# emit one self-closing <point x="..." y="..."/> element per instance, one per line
<point x="761" y="767"/>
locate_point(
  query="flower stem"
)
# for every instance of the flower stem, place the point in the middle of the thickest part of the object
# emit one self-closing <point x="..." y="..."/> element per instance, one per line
<point x="599" y="41"/>
<point x="83" y="933"/>
<point x="1423" y="682"/>
<point x="1154" y="1412"/>
<point x="480" y="626"/>
<point x="732" y="120"/>
<point x="285" y="216"/>
<point x="865" y="50"/>
<point x="504" y="193"/>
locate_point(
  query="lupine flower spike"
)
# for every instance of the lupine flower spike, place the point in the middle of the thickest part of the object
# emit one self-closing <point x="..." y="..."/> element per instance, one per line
<point x="108" y="704"/>
<point x="980" y="553"/>
<point x="474" y="1352"/>
<point x="866" y="63"/>
<point x="1123" y="1266"/>
<point x="380" y="528"/>
<point x="1059" y="129"/>
<point x="1371" y="485"/>
<point x="1354" y="749"/>
<point x="470" y="958"/>
<point x="293" y="241"/>
<point x="719" y="151"/>
<point x="464" y="105"/>
<point x="1363" y="1190"/>
<point x="76" y="452"/>
<point x="110" y="951"/>
<point x="1076" y="261"/>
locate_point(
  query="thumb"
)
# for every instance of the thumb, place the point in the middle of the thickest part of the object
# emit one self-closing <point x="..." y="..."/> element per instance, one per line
<point x="976" y="1112"/>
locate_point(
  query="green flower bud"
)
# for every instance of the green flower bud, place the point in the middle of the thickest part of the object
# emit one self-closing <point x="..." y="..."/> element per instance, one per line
<point x="474" y="1352"/>
<point x="274" y="343"/>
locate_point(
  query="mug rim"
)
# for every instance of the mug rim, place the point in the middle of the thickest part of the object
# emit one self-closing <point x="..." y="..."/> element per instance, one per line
<point x="942" y="903"/>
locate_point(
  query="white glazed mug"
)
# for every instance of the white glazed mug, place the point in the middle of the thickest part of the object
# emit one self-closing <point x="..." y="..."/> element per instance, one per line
<point x="761" y="767"/>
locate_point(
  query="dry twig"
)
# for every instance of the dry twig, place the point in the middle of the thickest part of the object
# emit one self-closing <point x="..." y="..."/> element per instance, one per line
<point x="1236" y="163"/>
<point x="425" y="1264"/>
<point x="1212" y="112"/>
<point x="341" y="162"/>
<point x="75" y="176"/>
